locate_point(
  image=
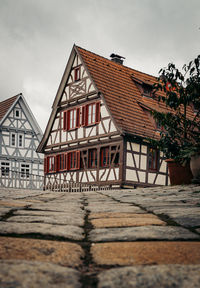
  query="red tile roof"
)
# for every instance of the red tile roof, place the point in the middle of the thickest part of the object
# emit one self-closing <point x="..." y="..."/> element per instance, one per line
<point x="119" y="86"/>
<point x="6" y="104"/>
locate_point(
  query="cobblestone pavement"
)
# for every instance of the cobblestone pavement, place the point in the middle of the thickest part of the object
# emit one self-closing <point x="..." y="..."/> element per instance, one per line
<point x="147" y="237"/>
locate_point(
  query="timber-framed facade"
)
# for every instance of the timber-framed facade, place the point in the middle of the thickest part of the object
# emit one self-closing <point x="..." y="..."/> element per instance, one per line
<point x="99" y="129"/>
<point x="20" y="165"/>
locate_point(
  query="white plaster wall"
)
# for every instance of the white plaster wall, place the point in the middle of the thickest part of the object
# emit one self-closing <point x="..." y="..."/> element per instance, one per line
<point x="128" y="146"/>
<point x="143" y="162"/>
<point x="92" y="176"/>
<point x="163" y="167"/>
<point x="80" y="132"/>
<point x="142" y="176"/>
<point x="112" y="127"/>
<point x="160" y="180"/>
<point x="136" y="156"/>
<point x="23" y="152"/>
<point x="104" y="177"/>
<point x="27" y="142"/>
<point x="111" y="175"/>
<point x="6" y="139"/>
<point x="6" y="122"/>
<point x="79" y="61"/>
<point x="144" y="149"/>
<point x="131" y="175"/>
<point x="106" y="124"/>
<point x="129" y="160"/>
<point x="101" y="131"/>
<point x="135" y="147"/>
<point x="56" y="123"/>
<point x="27" y="125"/>
<point x="151" y="177"/>
<point x="104" y="112"/>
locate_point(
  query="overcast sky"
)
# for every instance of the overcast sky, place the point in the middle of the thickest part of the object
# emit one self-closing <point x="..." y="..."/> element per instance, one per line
<point x="36" y="38"/>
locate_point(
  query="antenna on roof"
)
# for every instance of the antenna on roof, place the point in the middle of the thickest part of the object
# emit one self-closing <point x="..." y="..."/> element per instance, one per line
<point x="117" y="58"/>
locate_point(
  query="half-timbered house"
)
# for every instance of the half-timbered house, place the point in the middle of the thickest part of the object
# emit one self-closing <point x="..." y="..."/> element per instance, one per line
<point x="100" y="124"/>
<point x="20" y="165"/>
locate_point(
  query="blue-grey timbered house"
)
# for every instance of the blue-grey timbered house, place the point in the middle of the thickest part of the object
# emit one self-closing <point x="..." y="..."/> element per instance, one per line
<point x="20" y="165"/>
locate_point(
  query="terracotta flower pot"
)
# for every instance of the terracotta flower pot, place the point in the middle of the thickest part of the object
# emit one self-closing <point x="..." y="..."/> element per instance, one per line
<point x="179" y="174"/>
<point x="195" y="166"/>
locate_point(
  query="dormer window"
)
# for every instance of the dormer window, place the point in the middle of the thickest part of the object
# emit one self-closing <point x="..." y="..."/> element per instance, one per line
<point x="147" y="90"/>
<point x="145" y="87"/>
<point x="77" y="73"/>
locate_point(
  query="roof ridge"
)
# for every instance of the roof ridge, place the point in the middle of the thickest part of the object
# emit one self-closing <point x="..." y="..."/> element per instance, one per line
<point x="124" y="67"/>
<point x="13" y="97"/>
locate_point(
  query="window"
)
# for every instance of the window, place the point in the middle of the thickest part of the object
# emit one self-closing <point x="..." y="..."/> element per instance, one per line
<point x="13" y="139"/>
<point x="51" y="164"/>
<point x="92" y="161"/>
<point x="92" y="113"/>
<point x="73" y="160"/>
<point x="153" y="159"/>
<point x="77" y="73"/>
<point x="61" y="162"/>
<point x="81" y="116"/>
<point x="17" y="113"/>
<point x="147" y="90"/>
<point x="104" y="160"/>
<point x="25" y="170"/>
<point x="20" y="140"/>
<point x="71" y="119"/>
<point x="5" y="168"/>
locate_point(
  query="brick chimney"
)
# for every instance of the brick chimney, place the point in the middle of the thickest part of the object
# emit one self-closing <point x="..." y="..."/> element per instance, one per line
<point x="117" y="58"/>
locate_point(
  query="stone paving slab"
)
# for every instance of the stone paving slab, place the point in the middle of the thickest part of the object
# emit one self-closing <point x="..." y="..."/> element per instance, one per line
<point x="188" y="220"/>
<point x="161" y="276"/>
<point x="26" y="274"/>
<point x="125" y="222"/>
<point x="62" y="207"/>
<point x="103" y="228"/>
<point x="3" y="211"/>
<point x="141" y="233"/>
<point x="146" y="253"/>
<point x="58" y="219"/>
<point x="66" y="231"/>
<point x="30" y="212"/>
<point x="62" y="253"/>
<point x="115" y="208"/>
<point x="120" y="215"/>
<point x="16" y="203"/>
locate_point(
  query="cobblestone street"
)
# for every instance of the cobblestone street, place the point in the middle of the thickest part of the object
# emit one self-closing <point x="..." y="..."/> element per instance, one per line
<point x="147" y="237"/>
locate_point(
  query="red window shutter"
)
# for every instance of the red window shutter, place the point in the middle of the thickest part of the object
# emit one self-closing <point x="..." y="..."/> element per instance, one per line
<point x="58" y="159"/>
<point x="65" y="120"/>
<point x="97" y="112"/>
<point x="68" y="161"/>
<point x="86" y="114"/>
<point x="45" y="165"/>
<point x="65" y="161"/>
<point x="78" y="159"/>
<point x="77" y="74"/>
<point x="83" y="115"/>
<point x="77" y="117"/>
<point x="68" y="120"/>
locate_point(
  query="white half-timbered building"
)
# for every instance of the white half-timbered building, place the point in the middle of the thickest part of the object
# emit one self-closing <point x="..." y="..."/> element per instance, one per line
<point x="100" y="124"/>
<point x="20" y="165"/>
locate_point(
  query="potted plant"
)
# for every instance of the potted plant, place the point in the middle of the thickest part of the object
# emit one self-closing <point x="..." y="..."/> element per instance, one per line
<point x="180" y="136"/>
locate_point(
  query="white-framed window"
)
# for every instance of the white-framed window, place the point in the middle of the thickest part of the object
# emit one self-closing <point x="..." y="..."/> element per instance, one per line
<point x="20" y="140"/>
<point x="17" y="113"/>
<point x="25" y="170"/>
<point x="5" y="168"/>
<point x="13" y="140"/>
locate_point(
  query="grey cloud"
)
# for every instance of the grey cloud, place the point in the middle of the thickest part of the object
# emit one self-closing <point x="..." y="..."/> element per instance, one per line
<point x="36" y="37"/>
